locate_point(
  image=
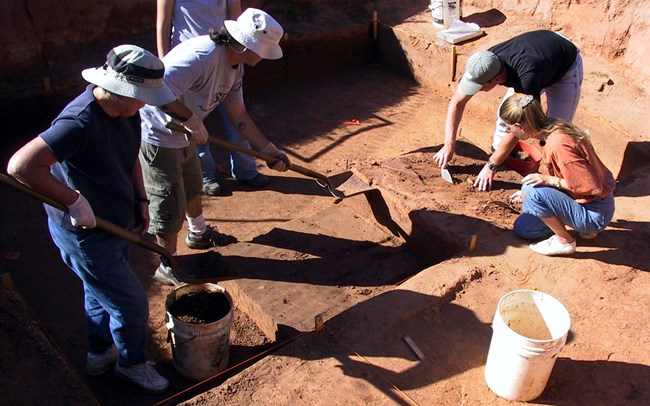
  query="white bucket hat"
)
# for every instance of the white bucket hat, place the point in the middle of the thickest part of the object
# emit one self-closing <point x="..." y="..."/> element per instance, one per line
<point x="133" y="72"/>
<point x="257" y="31"/>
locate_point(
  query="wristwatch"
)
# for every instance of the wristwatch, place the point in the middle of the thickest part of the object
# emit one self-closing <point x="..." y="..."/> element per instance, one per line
<point x="492" y="166"/>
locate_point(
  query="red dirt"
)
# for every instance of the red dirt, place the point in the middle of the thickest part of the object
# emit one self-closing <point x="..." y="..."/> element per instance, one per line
<point x="400" y="125"/>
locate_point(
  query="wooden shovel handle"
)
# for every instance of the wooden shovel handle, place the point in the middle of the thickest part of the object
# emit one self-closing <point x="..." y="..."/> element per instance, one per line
<point x="271" y="159"/>
<point x="101" y="223"/>
<point x="174" y="126"/>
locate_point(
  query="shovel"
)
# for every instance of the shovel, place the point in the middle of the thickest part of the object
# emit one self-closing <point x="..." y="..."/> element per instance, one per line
<point x="342" y="185"/>
<point x="167" y="258"/>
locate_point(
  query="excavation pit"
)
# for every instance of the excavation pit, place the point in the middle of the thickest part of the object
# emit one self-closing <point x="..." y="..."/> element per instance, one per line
<point x="295" y="261"/>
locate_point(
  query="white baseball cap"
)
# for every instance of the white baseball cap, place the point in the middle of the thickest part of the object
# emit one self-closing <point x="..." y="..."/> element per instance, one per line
<point x="257" y="31"/>
<point x="133" y="72"/>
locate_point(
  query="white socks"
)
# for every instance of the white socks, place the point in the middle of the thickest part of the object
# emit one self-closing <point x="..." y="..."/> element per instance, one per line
<point x="197" y="224"/>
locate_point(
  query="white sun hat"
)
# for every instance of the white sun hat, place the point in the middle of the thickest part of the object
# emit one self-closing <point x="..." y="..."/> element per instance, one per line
<point x="133" y="72"/>
<point x="257" y="31"/>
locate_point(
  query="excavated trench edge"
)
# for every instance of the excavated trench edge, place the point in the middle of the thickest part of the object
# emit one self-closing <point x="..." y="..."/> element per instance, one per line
<point x="422" y="235"/>
<point x="359" y="38"/>
<point x="321" y="51"/>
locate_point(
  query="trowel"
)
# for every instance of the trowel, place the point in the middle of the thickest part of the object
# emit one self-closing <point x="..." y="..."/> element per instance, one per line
<point x="446" y="175"/>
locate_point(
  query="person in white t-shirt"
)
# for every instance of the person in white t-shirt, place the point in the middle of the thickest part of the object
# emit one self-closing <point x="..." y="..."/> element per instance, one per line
<point x="203" y="72"/>
<point x="178" y="21"/>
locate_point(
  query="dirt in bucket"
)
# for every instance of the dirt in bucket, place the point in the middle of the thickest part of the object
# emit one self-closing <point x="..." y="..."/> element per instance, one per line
<point x="525" y="319"/>
<point x="200" y="307"/>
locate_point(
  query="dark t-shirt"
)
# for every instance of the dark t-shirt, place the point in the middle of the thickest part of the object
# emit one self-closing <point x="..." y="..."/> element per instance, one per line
<point x="535" y="60"/>
<point x="96" y="154"/>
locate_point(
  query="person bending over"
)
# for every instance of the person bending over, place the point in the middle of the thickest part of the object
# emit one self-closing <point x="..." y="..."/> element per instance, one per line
<point x="531" y="63"/>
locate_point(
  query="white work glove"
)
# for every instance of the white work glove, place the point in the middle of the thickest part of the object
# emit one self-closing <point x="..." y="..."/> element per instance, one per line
<point x="282" y="163"/>
<point x="81" y="214"/>
<point x="197" y="128"/>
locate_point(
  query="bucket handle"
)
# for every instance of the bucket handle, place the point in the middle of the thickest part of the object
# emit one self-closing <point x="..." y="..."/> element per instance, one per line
<point x="170" y="329"/>
<point x="170" y="339"/>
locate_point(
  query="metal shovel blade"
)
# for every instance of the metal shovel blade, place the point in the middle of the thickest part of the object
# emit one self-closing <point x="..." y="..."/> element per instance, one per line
<point x="444" y="173"/>
<point x="349" y="184"/>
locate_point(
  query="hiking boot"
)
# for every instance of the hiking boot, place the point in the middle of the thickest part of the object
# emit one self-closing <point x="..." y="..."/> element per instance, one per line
<point x="165" y="275"/>
<point x="144" y="376"/>
<point x="553" y="246"/>
<point x="211" y="188"/>
<point x="259" y="181"/>
<point x="97" y="364"/>
<point x="210" y="238"/>
<point x="588" y="236"/>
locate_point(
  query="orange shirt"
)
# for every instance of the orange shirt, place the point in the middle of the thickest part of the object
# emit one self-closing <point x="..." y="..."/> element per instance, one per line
<point x="577" y="163"/>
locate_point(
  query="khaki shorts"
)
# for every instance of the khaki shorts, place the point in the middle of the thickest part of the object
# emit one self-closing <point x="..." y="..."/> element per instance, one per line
<point x="171" y="177"/>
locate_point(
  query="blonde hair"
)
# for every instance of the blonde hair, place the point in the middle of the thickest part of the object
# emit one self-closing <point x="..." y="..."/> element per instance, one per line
<point x="523" y="109"/>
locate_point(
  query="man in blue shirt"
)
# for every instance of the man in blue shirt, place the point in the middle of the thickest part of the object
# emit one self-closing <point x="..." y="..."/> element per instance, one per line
<point x="88" y="161"/>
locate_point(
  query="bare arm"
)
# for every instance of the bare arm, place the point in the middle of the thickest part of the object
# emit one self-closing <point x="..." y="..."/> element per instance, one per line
<point x="506" y="146"/>
<point x="244" y="123"/>
<point x="249" y="130"/>
<point x="164" y="9"/>
<point x="484" y="179"/>
<point x="31" y="166"/>
<point x="454" y="115"/>
<point x="177" y="110"/>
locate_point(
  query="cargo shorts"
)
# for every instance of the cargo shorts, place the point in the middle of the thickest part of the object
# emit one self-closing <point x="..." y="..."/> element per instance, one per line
<point x="171" y="177"/>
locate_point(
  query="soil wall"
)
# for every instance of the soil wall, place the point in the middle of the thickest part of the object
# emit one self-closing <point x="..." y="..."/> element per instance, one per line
<point x="616" y="29"/>
<point x="37" y="34"/>
<point x="45" y="43"/>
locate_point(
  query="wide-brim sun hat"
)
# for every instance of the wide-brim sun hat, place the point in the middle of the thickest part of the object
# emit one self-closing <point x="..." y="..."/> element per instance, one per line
<point x="257" y="31"/>
<point x="134" y="72"/>
<point x="480" y="68"/>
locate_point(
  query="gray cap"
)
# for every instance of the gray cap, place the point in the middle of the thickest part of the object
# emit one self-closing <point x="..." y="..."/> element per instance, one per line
<point x="481" y="67"/>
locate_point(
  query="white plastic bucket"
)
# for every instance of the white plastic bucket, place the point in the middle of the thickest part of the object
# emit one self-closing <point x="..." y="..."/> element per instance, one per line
<point x="529" y="330"/>
<point x="443" y="12"/>
<point x="437" y="13"/>
<point x="199" y="350"/>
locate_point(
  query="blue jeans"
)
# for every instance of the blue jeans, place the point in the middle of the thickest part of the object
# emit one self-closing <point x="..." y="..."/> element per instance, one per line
<point x="116" y="304"/>
<point x="243" y="167"/>
<point x="544" y="202"/>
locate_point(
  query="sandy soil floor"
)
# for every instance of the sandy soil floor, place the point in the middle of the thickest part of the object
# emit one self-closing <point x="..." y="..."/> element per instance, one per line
<point x="400" y="125"/>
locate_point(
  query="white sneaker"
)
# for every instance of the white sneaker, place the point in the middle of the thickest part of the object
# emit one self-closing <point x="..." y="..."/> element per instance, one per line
<point x="165" y="275"/>
<point x="588" y="236"/>
<point x="144" y="376"/>
<point x="553" y="246"/>
<point x="97" y="364"/>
